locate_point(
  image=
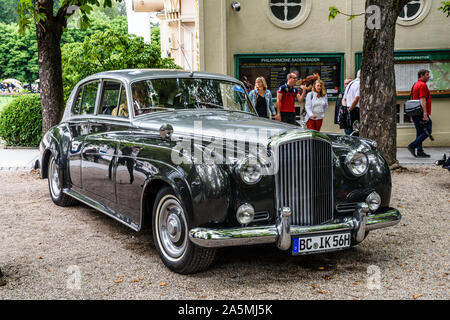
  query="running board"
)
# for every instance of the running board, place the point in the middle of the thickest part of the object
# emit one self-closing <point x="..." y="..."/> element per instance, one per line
<point x="100" y="207"/>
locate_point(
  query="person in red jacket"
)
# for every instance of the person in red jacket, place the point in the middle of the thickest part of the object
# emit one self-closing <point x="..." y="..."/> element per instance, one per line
<point x="423" y="122"/>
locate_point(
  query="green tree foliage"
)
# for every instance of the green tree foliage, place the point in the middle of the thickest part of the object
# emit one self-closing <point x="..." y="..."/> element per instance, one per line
<point x="445" y="7"/>
<point x="99" y="21"/>
<point x="21" y="121"/>
<point x="109" y="50"/>
<point x="8" y="11"/>
<point x="18" y="54"/>
<point x="155" y="36"/>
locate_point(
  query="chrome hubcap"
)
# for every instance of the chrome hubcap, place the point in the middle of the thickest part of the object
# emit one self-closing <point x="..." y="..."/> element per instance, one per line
<point x="55" y="185"/>
<point x="172" y="228"/>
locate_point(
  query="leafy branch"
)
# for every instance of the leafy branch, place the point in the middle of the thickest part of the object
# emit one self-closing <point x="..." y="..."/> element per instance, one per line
<point x="335" y="11"/>
<point x="445" y="7"/>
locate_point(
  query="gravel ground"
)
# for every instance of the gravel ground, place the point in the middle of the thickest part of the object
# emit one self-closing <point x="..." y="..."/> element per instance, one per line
<point x="48" y="252"/>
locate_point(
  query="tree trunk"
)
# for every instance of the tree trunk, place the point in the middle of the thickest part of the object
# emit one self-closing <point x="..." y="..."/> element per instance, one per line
<point x="378" y="92"/>
<point x="48" y="34"/>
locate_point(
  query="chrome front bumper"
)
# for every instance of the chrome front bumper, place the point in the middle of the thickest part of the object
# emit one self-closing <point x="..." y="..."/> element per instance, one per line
<point x="282" y="232"/>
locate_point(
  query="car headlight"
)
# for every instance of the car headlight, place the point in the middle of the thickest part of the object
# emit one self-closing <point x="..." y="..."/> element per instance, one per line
<point x="373" y="200"/>
<point x="357" y="163"/>
<point x="250" y="170"/>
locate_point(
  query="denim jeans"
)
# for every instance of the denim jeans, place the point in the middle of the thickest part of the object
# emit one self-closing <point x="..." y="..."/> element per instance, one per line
<point x="421" y="133"/>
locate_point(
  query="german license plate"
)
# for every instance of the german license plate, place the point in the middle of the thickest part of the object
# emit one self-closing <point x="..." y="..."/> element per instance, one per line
<point x="326" y="242"/>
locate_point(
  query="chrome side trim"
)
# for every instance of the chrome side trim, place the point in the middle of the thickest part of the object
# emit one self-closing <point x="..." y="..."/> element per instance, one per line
<point x="100" y="207"/>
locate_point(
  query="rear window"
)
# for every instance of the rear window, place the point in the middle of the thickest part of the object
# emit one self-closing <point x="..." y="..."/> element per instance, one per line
<point x="86" y="98"/>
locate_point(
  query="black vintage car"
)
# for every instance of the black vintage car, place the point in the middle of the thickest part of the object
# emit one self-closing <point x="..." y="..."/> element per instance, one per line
<point x="186" y="154"/>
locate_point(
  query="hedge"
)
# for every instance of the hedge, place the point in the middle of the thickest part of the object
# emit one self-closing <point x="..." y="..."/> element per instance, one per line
<point x="21" y="121"/>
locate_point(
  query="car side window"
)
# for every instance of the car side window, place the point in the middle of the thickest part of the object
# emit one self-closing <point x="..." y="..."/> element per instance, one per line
<point x="113" y="100"/>
<point x="77" y="105"/>
<point x="89" y="98"/>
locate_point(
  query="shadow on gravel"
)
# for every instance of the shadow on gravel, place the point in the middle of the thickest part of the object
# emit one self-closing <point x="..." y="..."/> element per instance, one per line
<point x="268" y="264"/>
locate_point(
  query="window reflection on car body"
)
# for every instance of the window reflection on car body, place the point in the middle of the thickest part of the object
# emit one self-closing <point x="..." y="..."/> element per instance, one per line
<point x="211" y="105"/>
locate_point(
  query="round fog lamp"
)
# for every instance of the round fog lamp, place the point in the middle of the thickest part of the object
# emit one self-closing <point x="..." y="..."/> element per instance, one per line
<point x="373" y="200"/>
<point x="245" y="214"/>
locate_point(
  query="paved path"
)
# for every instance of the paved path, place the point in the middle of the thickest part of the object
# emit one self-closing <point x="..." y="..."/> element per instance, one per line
<point x="24" y="159"/>
<point x="405" y="158"/>
<point x="18" y="159"/>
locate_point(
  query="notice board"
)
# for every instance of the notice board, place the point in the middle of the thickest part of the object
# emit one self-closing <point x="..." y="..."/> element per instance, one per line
<point x="275" y="68"/>
<point x="408" y="63"/>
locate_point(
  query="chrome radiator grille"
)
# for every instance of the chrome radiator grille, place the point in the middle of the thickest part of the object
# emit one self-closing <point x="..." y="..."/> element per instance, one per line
<point x="304" y="181"/>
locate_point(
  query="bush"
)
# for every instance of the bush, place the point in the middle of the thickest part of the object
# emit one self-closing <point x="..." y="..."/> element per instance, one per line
<point x="21" y="121"/>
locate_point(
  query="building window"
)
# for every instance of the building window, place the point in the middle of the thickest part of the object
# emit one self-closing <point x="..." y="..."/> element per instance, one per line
<point x="401" y="118"/>
<point x="414" y="12"/>
<point x="411" y="11"/>
<point x="288" y="13"/>
<point x="285" y="10"/>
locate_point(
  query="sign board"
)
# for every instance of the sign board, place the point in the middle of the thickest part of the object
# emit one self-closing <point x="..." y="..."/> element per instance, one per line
<point x="408" y="63"/>
<point x="275" y="68"/>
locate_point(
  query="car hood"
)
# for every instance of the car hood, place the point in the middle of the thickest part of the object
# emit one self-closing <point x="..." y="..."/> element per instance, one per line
<point x="220" y="124"/>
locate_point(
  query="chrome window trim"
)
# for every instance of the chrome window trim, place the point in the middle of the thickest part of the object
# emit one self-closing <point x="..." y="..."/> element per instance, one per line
<point x="122" y="86"/>
<point x="188" y="76"/>
<point x="82" y="85"/>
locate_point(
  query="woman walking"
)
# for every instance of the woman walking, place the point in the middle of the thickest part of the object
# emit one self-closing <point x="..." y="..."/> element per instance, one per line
<point x="316" y="105"/>
<point x="261" y="98"/>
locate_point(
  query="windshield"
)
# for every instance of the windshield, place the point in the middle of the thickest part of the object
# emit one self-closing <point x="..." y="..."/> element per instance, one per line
<point x="188" y="93"/>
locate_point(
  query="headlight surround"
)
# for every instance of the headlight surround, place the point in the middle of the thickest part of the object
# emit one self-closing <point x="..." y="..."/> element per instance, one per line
<point x="373" y="200"/>
<point x="357" y="163"/>
<point x="249" y="170"/>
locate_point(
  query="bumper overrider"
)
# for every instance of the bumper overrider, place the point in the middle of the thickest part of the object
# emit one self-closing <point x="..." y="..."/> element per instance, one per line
<point x="282" y="232"/>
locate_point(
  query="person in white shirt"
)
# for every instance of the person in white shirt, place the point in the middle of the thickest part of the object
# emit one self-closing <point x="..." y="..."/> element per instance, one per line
<point x="351" y="100"/>
<point x="316" y="105"/>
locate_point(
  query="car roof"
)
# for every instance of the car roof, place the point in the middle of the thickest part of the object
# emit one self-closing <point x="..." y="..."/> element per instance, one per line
<point x="130" y="75"/>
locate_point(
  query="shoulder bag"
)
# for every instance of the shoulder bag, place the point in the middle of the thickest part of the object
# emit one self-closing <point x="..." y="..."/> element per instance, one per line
<point x="413" y="107"/>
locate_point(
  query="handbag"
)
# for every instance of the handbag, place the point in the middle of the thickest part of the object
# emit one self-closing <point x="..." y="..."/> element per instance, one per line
<point x="413" y="107"/>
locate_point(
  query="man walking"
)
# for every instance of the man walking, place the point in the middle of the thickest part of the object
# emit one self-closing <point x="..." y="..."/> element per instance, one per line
<point x="351" y="100"/>
<point x="422" y="123"/>
<point x="286" y="96"/>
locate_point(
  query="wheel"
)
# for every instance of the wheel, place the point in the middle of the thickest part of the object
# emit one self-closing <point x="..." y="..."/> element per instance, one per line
<point x="170" y="235"/>
<point x="55" y="186"/>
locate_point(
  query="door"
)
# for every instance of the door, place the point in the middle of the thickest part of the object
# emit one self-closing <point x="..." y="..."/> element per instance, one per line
<point x="100" y="145"/>
<point x="79" y="128"/>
